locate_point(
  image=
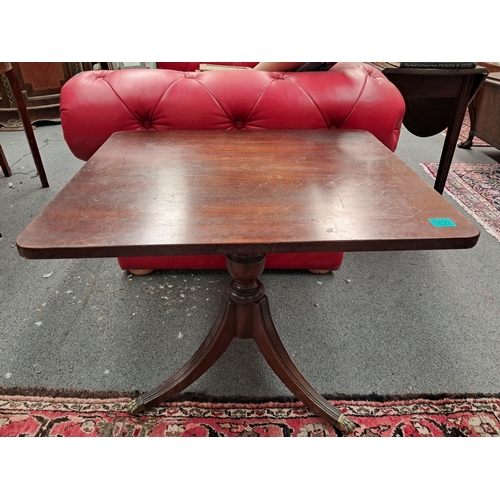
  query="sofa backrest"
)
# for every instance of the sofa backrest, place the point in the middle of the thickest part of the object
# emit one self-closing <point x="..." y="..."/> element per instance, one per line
<point x="95" y="104"/>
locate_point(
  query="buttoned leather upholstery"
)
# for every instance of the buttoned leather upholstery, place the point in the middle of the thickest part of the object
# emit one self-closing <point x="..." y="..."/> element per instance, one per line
<point x="95" y="104"/>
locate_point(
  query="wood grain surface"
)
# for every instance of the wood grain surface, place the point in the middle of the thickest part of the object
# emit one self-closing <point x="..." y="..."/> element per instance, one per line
<point x="194" y="192"/>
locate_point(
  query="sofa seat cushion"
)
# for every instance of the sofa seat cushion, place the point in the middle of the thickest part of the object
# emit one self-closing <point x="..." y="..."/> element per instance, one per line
<point x="299" y="260"/>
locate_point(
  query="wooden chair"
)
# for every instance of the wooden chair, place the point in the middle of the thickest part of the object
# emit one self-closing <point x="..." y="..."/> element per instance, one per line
<point x="6" y="68"/>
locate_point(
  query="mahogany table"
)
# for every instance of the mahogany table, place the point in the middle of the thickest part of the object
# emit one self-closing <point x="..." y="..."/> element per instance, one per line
<point x="243" y="194"/>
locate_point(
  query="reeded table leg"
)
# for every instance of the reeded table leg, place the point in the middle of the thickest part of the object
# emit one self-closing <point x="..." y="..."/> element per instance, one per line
<point x="245" y="314"/>
<point x="274" y="352"/>
<point x="207" y="354"/>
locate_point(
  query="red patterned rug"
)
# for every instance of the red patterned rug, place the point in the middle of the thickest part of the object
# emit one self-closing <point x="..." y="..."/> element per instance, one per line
<point x="62" y="413"/>
<point x="476" y="187"/>
<point x="464" y="133"/>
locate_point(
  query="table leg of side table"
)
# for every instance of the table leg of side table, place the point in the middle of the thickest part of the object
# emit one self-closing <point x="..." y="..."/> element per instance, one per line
<point x="453" y="133"/>
<point x="245" y="314"/>
<point x="467" y="143"/>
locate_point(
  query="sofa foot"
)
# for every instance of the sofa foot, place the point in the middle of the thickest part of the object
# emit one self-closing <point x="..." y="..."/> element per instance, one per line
<point x="320" y="271"/>
<point x="140" y="272"/>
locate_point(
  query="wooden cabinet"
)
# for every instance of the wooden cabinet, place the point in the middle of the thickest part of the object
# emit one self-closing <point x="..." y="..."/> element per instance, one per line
<point x="484" y="110"/>
<point x="487" y="119"/>
<point x="41" y="84"/>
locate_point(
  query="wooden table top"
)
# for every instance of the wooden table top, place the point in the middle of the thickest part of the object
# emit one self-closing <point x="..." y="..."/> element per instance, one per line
<point x="263" y="191"/>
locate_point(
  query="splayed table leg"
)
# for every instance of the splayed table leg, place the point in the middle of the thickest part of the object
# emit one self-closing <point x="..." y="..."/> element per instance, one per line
<point x="245" y="314"/>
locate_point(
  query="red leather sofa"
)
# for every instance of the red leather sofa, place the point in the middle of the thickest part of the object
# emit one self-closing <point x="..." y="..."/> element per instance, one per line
<point x="95" y="104"/>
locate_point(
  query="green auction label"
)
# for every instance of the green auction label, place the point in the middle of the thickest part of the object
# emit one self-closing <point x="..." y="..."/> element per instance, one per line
<point x="442" y="222"/>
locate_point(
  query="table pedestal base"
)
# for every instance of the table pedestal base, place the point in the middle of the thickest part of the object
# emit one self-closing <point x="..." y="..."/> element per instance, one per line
<point x="245" y="314"/>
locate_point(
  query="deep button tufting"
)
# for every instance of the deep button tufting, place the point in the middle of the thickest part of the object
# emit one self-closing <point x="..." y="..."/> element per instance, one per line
<point x="214" y="97"/>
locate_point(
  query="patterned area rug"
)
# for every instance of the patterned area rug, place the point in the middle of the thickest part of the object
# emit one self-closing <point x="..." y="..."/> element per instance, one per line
<point x="476" y="187"/>
<point x="63" y="414"/>
<point x="464" y="132"/>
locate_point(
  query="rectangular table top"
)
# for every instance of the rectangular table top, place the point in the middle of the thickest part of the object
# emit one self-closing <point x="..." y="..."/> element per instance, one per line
<point x="263" y="191"/>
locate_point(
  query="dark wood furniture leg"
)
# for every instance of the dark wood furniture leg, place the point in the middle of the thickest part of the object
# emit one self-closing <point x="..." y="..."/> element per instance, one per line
<point x="3" y="163"/>
<point x="453" y="133"/>
<point x="467" y="144"/>
<point x="23" y="113"/>
<point x="245" y="314"/>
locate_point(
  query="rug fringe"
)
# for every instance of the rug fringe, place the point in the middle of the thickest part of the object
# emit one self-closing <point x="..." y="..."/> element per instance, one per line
<point x="43" y="392"/>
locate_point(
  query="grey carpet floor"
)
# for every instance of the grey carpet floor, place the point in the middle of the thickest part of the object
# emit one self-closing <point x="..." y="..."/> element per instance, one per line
<point x="385" y="323"/>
